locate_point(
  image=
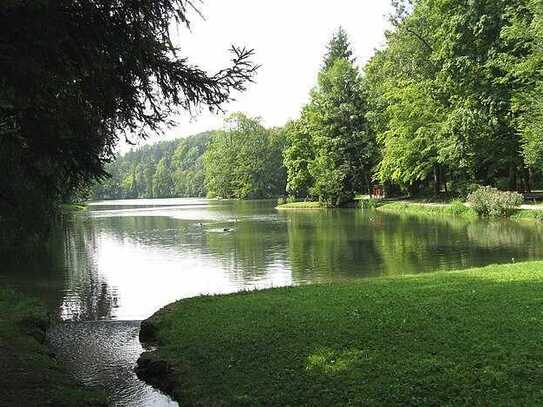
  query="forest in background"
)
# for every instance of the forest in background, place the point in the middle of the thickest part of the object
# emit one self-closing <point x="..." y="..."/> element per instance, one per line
<point x="243" y="162"/>
<point x="453" y="101"/>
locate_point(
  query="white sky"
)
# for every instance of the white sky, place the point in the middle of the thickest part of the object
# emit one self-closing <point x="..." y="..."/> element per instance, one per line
<point x="289" y="38"/>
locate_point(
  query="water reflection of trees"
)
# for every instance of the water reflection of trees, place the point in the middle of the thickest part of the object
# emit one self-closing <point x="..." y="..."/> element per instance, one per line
<point x="412" y="244"/>
<point x="63" y="274"/>
<point x="38" y="273"/>
<point x="87" y="294"/>
<point x="247" y="250"/>
<point x="328" y="245"/>
<point x="339" y="244"/>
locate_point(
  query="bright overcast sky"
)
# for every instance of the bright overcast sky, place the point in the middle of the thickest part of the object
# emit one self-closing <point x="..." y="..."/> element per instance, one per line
<point x="289" y="38"/>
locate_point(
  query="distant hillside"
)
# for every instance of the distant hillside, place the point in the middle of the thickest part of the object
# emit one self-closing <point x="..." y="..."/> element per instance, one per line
<point x="163" y="170"/>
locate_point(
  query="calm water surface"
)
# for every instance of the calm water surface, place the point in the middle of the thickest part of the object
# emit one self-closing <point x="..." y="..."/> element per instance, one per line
<point x="124" y="260"/>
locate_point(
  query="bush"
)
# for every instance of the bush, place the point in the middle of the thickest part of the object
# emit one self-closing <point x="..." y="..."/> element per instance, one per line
<point x="457" y="208"/>
<point x="490" y="202"/>
<point x="281" y="200"/>
<point x="368" y="203"/>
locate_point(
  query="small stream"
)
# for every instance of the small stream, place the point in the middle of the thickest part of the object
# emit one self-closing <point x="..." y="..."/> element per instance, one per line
<point x="104" y="353"/>
<point x="117" y="264"/>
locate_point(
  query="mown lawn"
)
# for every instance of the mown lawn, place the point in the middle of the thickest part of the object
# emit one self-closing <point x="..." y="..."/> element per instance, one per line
<point x="29" y="376"/>
<point x="461" y="338"/>
<point x="454" y="209"/>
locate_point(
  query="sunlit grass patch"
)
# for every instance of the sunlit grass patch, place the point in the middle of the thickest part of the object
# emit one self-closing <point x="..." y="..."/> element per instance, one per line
<point x="328" y="361"/>
<point x="454" y="208"/>
<point x="460" y="338"/>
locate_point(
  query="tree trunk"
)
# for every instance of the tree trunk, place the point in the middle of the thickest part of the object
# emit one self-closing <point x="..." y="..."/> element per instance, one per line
<point x="437" y="181"/>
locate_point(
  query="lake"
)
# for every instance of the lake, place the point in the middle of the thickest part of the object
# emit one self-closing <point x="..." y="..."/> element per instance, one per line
<point x="121" y="261"/>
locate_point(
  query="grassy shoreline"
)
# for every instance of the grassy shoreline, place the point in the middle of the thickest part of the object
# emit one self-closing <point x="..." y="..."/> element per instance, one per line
<point x="30" y="376"/>
<point x="417" y="208"/>
<point x="300" y="205"/>
<point x="452" y="209"/>
<point x="458" y="338"/>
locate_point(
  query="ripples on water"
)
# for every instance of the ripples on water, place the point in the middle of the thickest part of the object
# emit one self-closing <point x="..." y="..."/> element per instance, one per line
<point x="124" y="260"/>
<point x="103" y="354"/>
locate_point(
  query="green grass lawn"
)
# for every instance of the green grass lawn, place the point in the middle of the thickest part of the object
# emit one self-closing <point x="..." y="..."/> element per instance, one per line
<point x="416" y="208"/>
<point x="454" y="208"/>
<point x="528" y="214"/>
<point x="461" y="338"/>
<point x="29" y="376"/>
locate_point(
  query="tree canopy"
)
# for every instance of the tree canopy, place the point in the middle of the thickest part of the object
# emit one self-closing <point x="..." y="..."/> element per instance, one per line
<point x="454" y="95"/>
<point x="245" y="161"/>
<point x="331" y="152"/>
<point x="77" y="76"/>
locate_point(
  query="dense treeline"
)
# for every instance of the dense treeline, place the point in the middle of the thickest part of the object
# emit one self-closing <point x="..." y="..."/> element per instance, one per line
<point x="242" y="161"/>
<point x="163" y="170"/>
<point x="453" y="100"/>
<point x="245" y="161"/>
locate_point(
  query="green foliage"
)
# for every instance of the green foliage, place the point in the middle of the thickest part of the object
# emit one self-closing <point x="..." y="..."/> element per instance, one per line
<point x="76" y="77"/>
<point x="291" y="199"/>
<point x="339" y="47"/>
<point x="188" y="167"/>
<point x="298" y="156"/>
<point x="245" y="160"/>
<point x="490" y="202"/>
<point x="331" y="152"/>
<point x="454" y="98"/>
<point x="162" y="180"/>
<point x="151" y="171"/>
<point x="458" y="208"/>
<point x="344" y="149"/>
<point x="370" y="203"/>
<point x="463" y="338"/>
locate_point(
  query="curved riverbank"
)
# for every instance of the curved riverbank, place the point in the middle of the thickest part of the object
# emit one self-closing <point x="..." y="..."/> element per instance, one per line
<point x="463" y="338"/>
<point x="30" y="375"/>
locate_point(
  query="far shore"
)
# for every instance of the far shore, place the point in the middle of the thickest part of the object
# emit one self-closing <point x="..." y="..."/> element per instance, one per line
<point x="526" y="212"/>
